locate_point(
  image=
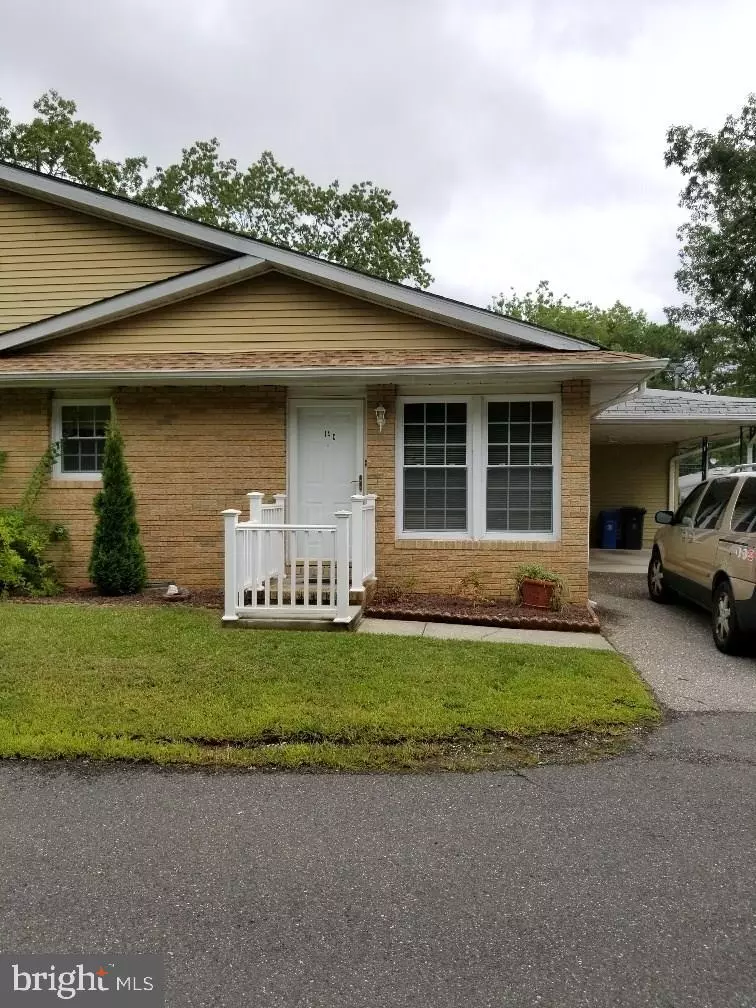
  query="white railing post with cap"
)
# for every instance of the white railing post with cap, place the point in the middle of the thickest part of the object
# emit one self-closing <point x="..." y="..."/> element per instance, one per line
<point x="230" y="587"/>
<point x="369" y="550"/>
<point x="356" y="534"/>
<point x="342" y="565"/>
<point x="255" y="505"/>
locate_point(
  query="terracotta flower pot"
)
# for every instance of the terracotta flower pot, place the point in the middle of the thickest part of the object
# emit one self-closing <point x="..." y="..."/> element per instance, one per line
<point x="538" y="594"/>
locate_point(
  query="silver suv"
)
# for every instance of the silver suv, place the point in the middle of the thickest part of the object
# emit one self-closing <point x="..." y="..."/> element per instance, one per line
<point x="706" y="551"/>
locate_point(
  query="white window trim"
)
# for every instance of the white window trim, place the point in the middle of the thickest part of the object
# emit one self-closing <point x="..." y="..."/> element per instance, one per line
<point x="476" y="469"/>
<point x="57" y="435"/>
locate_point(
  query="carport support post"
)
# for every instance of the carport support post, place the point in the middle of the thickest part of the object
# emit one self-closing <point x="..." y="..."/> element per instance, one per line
<point x="230" y="521"/>
<point x="704" y="458"/>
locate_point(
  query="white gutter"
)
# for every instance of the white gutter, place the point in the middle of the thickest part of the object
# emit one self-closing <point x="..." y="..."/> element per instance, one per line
<point x="656" y="421"/>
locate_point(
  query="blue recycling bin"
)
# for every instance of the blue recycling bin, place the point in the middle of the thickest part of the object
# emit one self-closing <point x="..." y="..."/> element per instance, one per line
<point x="609" y="528"/>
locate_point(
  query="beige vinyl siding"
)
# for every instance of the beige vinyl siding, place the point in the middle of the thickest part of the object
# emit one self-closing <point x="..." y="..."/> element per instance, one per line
<point x="53" y="259"/>
<point x="631" y="475"/>
<point x="271" y="312"/>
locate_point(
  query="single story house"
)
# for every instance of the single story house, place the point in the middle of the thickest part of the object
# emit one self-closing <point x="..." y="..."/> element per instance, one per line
<point x="452" y="442"/>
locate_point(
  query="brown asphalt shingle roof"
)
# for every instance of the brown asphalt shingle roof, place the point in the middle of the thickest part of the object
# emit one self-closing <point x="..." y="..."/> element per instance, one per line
<point x="99" y="363"/>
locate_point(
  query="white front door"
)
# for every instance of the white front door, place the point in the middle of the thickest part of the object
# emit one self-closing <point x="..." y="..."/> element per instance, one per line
<point x="327" y="459"/>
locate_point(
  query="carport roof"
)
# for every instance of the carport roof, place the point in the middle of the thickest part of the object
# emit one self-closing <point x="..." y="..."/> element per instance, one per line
<point x="663" y="415"/>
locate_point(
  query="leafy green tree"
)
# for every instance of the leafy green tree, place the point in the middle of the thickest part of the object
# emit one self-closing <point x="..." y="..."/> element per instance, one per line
<point x="117" y="565"/>
<point x="615" y="328"/>
<point x="56" y="143"/>
<point x="718" y="254"/>
<point x="708" y="359"/>
<point x="355" y="226"/>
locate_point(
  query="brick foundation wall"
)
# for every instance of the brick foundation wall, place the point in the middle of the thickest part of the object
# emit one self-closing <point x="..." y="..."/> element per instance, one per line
<point x="192" y="452"/>
<point x="440" y="566"/>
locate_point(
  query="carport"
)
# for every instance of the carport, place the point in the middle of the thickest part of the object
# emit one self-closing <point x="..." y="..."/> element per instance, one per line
<point x="638" y="444"/>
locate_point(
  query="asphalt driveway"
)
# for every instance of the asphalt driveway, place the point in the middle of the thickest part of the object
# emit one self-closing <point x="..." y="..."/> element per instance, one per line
<point x="671" y="647"/>
<point x="626" y="883"/>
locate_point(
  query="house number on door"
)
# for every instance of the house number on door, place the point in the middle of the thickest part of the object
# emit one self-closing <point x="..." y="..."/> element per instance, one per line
<point x="329" y="434"/>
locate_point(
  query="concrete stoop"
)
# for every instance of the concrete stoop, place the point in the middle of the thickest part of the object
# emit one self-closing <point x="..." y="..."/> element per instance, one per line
<point x="349" y="623"/>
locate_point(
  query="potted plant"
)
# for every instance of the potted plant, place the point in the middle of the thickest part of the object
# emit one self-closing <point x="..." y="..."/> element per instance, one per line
<point x="538" y="587"/>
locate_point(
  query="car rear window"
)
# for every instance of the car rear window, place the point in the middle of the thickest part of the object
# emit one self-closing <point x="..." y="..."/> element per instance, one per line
<point x="744" y="512"/>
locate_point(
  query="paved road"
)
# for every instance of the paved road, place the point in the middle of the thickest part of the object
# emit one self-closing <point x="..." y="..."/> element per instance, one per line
<point x="623" y="884"/>
<point x="671" y="647"/>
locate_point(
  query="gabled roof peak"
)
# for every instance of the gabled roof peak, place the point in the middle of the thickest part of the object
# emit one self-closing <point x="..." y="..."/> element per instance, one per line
<point x="410" y="300"/>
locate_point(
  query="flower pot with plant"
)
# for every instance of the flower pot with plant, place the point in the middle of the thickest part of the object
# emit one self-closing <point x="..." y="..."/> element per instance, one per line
<point x="538" y="587"/>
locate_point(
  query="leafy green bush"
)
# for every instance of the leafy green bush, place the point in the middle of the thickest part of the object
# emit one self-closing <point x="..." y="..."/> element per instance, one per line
<point x="117" y="565"/>
<point x="25" y="538"/>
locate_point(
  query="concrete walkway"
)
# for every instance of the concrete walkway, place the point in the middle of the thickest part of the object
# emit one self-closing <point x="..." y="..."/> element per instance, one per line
<point x="491" y="635"/>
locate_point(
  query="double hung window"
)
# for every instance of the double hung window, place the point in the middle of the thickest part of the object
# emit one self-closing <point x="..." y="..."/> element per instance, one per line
<point x="479" y="467"/>
<point x="79" y="427"/>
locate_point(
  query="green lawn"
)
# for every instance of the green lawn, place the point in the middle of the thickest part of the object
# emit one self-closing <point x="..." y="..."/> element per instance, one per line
<point x="171" y="686"/>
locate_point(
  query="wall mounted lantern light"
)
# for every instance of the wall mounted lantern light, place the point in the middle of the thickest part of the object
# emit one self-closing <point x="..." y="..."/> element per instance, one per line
<point x="380" y="417"/>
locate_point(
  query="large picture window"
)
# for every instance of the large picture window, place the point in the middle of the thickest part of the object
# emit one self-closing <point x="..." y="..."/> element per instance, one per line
<point x="479" y="467"/>
<point x="80" y="428"/>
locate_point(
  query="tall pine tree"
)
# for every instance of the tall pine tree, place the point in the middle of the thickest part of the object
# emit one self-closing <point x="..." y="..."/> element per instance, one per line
<point x="117" y="565"/>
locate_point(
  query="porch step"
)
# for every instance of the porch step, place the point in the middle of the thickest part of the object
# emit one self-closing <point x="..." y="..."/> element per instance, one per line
<point x="265" y="618"/>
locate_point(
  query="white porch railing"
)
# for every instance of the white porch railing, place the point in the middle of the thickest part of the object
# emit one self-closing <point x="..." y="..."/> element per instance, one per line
<point x="274" y="569"/>
<point x="362" y="539"/>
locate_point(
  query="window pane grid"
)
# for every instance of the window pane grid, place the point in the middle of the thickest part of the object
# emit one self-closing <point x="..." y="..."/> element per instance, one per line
<point x="83" y="429"/>
<point x="435" y="467"/>
<point x="520" y="433"/>
<point x="520" y="471"/>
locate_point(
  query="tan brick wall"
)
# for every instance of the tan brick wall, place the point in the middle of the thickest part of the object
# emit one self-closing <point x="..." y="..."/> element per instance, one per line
<point x="437" y="565"/>
<point x="195" y="451"/>
<point x="636" y="475"/>
<point x="192" y="452"/>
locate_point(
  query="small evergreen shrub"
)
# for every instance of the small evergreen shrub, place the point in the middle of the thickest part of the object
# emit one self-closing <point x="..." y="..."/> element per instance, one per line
<point x="25" y="538"/>
<point x="117" y="565"/>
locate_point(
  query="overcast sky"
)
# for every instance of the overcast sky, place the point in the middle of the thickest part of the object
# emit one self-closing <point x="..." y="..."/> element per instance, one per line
<point x="524" y="139"/>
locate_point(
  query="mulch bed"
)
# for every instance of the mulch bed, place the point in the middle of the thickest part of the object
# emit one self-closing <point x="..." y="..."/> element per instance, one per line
<point x="409" y="606"/>
<point x="207" y="598"/>
<point x="496" y="613"/>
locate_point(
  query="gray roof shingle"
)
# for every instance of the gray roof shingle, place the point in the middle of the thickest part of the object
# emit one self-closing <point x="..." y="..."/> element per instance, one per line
<point x="664" y="404"/>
